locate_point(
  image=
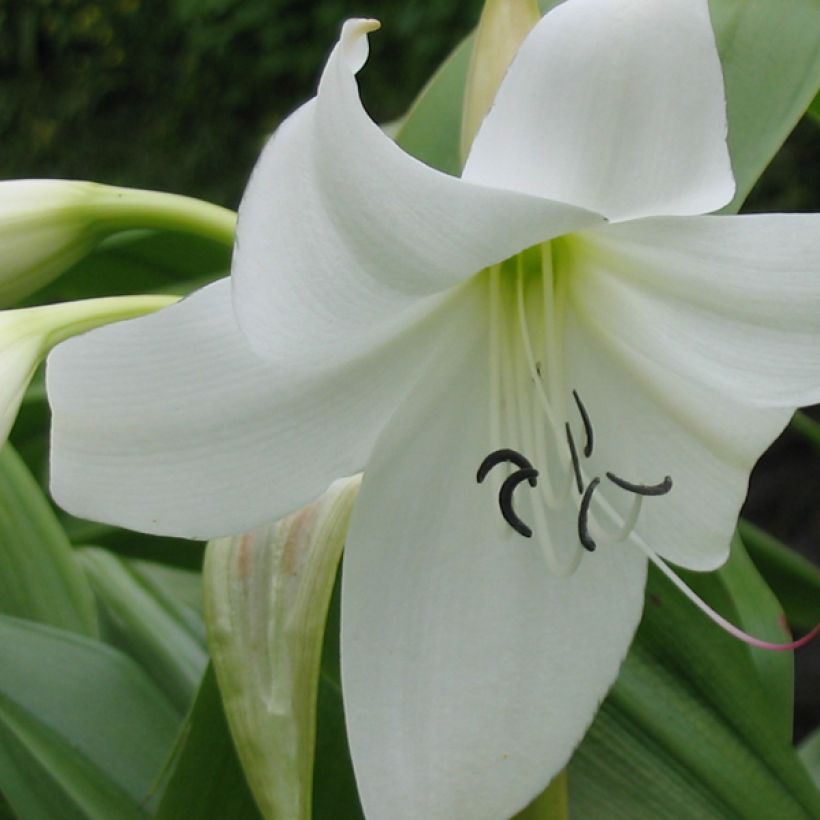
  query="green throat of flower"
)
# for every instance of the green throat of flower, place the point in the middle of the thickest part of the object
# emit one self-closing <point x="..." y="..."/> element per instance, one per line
<point x="532" y="416"/>
<point x="537" y="419"/>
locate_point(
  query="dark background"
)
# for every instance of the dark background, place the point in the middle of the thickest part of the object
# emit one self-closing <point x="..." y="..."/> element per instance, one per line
<point x="179" y="95"/>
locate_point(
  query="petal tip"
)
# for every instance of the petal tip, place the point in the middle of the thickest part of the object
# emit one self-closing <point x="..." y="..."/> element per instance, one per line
<point x="353" y="40"/>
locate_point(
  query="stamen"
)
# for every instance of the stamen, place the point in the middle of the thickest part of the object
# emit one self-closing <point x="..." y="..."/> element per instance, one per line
<point x="725" y="625"/>
<point x="642" y="489"/>
<point x="534" y="367"/>
<point x="505" y="499"/>
<point x="588" y="444"/>
<point x="500" y="456"/>
<point x="576" y="467"/>
<point x="583" y="517"/>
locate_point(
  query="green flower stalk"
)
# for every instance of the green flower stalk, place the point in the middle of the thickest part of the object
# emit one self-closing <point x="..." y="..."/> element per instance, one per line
<point x="46" y="226"/>
<point x="266" y="599"/>
<point x="27" y="335"/>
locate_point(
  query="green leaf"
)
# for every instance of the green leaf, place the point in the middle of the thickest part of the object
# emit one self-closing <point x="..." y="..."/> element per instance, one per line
<point x="807" y="427"/>
<point x="814" y="109"/>
<point x="172" y="552"/>
<point x="43" y="780"/>
<point x="686" y="729"/>
<point x="739" y="592"/>
<point x="551" y="804"/>
<point x="432" y="128"/>
<point x="206" y="780"/>
<point x="148" y="626"/>
<point x="795" y="581"/>
<point x="770" y="52"/>
<point x="83" y="728"/>
<point x="39" y="576"/>
<point x="809" y="751"/>
<point x="180" y="586"/>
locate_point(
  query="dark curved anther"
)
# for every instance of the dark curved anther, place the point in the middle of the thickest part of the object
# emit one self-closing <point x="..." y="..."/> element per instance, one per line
<point x="642" y="489"/>
<point x="505" y="499"/>
<point x="500" y="456"/>
<point x="588" y="444"/>
<point x="576" y="467"/>
<point x="583" y="517"/>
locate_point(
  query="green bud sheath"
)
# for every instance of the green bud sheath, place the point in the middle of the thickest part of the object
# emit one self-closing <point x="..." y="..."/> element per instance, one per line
<point x="266" y="598"/>
<point x="502" y="28"/>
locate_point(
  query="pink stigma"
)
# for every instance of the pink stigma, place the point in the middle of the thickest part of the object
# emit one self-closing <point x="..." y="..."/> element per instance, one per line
<point x="725" y="625"/>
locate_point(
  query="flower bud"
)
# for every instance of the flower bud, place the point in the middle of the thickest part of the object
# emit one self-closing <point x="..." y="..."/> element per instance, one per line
<point x="44" y="230"/>
<point x="48" y="225"/>
<point x="503" y="26"/>
<point x="27" y="334"/>
<point x="266" y="598"/>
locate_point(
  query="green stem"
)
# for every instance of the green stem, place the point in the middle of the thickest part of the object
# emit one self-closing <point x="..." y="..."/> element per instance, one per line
<point x="61" y="321"/>
<point x="117" y="209"/>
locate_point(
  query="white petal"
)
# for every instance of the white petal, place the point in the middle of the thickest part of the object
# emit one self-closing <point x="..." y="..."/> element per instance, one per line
<point x="614" y="105"/>
<point x="732" y="302"/>
<point x="342" y="236"/>
<point x="170" y="424"/>
<point x="649" y="422"/>
<point x="469" y="674"/>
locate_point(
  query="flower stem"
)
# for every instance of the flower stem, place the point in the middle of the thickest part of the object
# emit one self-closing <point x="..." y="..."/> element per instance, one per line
<point x="131" y="208"/>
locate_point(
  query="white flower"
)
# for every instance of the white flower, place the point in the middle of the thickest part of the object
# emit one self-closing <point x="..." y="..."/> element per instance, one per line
<point x="411" y="323"/>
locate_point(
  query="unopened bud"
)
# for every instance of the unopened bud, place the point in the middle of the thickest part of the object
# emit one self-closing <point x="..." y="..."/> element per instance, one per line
<point x="503" y="26"/>
<point x="267" y="594"/>
<point x="48" y="225"/>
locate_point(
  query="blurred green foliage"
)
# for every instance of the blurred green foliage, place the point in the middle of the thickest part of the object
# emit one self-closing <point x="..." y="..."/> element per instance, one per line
<point x="178" y="95"/>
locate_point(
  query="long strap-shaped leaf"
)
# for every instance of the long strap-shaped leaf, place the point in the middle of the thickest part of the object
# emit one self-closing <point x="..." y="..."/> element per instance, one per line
<point x="40" y="578"/>
<point x="83" y="730"/>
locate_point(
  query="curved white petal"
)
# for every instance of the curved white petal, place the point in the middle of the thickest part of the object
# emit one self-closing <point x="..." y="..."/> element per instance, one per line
<point x="170" y="424"/>
<point x="616" y="106"/>
<point x="341" y="235"/>
<point x="650" y="421"/>
<point x="469" y="673"/>
<point x="732" y="302"/>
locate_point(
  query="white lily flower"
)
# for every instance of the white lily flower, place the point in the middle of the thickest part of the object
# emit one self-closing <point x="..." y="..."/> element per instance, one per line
<point x="28" y="334"/>
<point x="565" y="295"/>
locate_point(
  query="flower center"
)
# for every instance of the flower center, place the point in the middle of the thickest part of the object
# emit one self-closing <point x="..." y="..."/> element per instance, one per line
<point x="530" y="419"/>
<point x="531" y="429"/>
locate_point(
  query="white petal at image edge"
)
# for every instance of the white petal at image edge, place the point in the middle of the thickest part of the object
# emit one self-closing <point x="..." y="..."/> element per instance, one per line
<point x="469" y="673"/>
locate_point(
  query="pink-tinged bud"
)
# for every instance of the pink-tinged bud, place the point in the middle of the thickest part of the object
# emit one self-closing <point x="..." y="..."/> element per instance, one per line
<point x="266" y="598"/>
